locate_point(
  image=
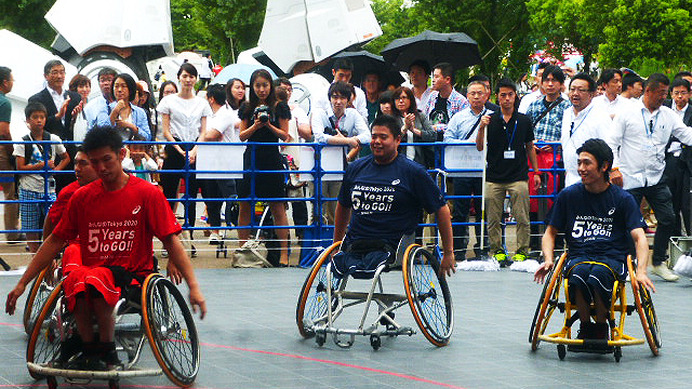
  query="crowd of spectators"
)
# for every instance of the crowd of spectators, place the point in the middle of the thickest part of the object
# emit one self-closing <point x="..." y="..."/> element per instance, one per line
<point x="631" y="113"/>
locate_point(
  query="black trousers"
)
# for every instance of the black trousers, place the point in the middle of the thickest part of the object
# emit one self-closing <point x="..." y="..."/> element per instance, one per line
<point x="170" y="182"/>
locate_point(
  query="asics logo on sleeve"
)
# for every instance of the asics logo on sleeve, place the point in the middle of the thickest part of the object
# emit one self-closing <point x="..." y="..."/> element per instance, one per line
<point x="137" y="209"/>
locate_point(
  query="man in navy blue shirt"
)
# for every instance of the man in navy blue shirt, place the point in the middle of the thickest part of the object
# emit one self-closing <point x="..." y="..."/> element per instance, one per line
<point x="596" y="218"/>
<point x="382" y="196"/>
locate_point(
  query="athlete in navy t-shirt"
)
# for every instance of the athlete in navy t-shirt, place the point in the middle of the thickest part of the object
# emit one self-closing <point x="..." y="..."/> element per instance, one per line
<point x="383" y="194"/>
<point x="597" y="218"/>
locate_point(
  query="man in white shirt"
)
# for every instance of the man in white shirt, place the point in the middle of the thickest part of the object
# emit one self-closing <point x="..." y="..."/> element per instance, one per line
<point x="581" y="122"/>
<point x="342" y="126"/>
<point x="679" y="159"/>
<point x="638" y="137"/>
<point x="343" y="71"/>
<point x="463" y="128"/>
<point x="610" y="100"/>
<point x="221" y="127"/>
<point x="418" y="75"/>
<point x="300" y="131"/>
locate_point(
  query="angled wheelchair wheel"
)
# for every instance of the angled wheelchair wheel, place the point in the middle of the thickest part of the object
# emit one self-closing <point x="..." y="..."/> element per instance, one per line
<point x="51" y="328"/>
<point x="428" y="295"/>
<point x="38" y="294"/>
<point x="312" y="301"/>
<point x="646" y="311"/>
<point x="171" y="330"/>
<point x="547" y="303"/>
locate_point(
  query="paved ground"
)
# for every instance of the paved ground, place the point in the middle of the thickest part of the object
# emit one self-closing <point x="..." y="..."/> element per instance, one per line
<point x="250" y="341"/>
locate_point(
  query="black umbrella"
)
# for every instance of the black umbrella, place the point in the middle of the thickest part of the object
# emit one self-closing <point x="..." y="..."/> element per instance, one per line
<point x="433" y="47"/>
<point x="364" y="62"/>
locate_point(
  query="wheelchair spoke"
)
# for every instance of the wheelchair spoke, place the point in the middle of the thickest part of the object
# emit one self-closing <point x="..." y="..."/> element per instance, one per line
<point x="171" y="332"/>
<point x="429" y="298"/>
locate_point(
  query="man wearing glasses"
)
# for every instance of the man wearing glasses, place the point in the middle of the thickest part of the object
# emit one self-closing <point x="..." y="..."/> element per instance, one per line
<point x="639" y="136"/>
<point x="61" y="106"/>
<point x="679" y="158"/>
<point x="583" y="121"/>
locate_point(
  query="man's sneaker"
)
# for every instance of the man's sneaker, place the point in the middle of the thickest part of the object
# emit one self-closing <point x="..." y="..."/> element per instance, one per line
<point x="585" y="332"/>
<point x="501" y="257"/>
<point x="214" y="239"/>
<point x="662" y="271"/>
<point x="600" y="331"/>
<point x="519" y="257"/>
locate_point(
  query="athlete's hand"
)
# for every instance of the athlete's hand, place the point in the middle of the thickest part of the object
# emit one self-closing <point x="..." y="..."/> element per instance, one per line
<point x="448" y="265"/>
<point x="542" y="271"/>
<point x="644" y="281"/>
<point x="12" y="297"/>
<point x="173" y="273"/>
<point x="616" y="178"/>
<point x="197" y="300"/>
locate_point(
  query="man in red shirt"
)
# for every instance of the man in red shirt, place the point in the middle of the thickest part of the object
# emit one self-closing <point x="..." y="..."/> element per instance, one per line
<point x="114" y="219"/>
<point x="84" y="174"/>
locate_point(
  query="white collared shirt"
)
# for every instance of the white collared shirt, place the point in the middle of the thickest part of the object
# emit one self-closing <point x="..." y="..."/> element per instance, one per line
<point x="590" y="122"/>
<point x="612" y="107"/>
<point x="640" y="152"/>
<point x="676" y="147"/>
<point x="58" y="99"/>
<point x="420" y="103"/>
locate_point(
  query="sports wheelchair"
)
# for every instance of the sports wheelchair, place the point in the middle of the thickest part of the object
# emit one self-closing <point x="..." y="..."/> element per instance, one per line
<point x="156" y="311"/>
<point x="40" y="289"/>
<point x="619" y="309"/>
<point x="324" y="297"/>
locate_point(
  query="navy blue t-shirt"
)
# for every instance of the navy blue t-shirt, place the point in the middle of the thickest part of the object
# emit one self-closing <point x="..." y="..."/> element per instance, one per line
<point x="386" y="200"/>
<point x="596" y="226"/>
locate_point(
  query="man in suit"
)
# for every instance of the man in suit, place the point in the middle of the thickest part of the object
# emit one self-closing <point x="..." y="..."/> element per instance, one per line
<point x="679" y="158"/>
<point x="62" y="105"/>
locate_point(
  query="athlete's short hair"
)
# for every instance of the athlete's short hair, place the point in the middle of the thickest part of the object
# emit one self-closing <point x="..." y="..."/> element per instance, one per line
<point x="601" y="151"/>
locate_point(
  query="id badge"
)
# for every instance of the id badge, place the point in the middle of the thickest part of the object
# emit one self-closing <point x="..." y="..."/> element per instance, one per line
<point x="509" y="154"/>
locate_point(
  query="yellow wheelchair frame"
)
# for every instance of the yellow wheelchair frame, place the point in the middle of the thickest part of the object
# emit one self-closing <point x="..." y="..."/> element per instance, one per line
<point x="619" y="309"/>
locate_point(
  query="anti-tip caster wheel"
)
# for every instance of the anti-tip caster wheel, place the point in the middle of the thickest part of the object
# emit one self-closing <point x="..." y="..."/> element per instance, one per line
<point x="561" y="351"/>
<point x="113" y="384"/>
<point x="320" y="338"/>
<point x="617" y="353"/>
<point x="52" y="382"/>
<point x="375" y="342"/>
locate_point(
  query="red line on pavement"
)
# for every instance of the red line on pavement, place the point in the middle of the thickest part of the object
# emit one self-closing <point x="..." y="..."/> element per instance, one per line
<point x="404" y="376"/>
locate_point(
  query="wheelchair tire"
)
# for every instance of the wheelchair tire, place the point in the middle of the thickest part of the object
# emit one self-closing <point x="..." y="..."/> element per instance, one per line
<point x="547" y="303"/>
<point x="48" y="332"/>
<point x="646" y="311"/>
<point x="171" y="330"/>
<point x="548" y="277"/>
<point x="312" y="301"/>
<point x="37" y="296"/>
<point x="428" y="295"/>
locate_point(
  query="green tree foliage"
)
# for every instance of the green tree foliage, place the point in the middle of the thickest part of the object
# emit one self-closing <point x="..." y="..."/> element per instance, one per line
<point x="225" y="27"/>
<point x="576" y="23"/>
<point x="644" y="30"/>
<point x="25" y="18"/>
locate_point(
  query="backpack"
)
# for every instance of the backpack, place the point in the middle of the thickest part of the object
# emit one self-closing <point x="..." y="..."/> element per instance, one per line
<point x="29" y="149"/>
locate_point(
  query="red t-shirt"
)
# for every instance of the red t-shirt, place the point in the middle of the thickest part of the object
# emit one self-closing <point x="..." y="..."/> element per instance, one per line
<point x="59" y="206"/>
<point x="116" y="228"/>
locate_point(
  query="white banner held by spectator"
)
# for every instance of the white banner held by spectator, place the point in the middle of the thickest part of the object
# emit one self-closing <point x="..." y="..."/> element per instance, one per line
<point x="332" y="160"/>
<point x="220" y="158"/>
<point x="464" y="156"/>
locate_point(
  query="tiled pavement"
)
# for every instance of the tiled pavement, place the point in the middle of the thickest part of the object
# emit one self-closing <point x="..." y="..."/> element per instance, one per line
<point x="250" y="341"/>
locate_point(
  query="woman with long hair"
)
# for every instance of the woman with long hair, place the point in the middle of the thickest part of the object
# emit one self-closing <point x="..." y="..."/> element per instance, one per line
<point x="235" y="93"/>
<point x="184" y="119"/>
<point x="415" y="127"/>
<point x="263" y="119"/>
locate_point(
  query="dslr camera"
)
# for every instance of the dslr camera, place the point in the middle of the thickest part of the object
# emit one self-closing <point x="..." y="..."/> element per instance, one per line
<point x="262" y="113"/>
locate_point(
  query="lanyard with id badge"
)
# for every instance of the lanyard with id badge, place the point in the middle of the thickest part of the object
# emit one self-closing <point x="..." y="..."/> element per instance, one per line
<point x="509" y="153"/>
